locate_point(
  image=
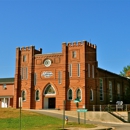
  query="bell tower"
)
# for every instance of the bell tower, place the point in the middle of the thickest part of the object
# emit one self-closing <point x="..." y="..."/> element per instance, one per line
<point x="24" y="74"/>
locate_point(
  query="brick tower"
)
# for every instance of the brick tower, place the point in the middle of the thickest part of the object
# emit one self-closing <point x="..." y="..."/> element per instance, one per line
<point x="24" y="74"/>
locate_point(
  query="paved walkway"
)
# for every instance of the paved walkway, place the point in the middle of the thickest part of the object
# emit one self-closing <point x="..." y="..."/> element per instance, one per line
<point x="72" y="117"/>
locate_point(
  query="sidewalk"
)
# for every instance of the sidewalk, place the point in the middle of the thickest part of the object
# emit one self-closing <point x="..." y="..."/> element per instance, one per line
<point x="97" y="128"/>
<point x="99" y="125"/>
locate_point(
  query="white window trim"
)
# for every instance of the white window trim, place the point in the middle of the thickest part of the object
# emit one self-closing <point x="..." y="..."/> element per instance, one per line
<point x="80" y="91"/>
<point x="4" y="86"/>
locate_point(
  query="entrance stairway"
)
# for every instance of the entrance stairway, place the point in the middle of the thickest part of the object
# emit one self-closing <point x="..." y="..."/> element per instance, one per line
<point x="123" y="116"/>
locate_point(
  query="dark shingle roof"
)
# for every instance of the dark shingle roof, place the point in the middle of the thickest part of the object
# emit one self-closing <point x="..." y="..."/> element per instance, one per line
<point x="6" y="80"/>
<point x="113" y="73"/>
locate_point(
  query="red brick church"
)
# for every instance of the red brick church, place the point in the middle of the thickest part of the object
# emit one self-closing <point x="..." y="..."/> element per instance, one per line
<point x="46" y="81"/>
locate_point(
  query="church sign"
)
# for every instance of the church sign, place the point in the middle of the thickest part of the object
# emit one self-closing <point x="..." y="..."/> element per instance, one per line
<point x="47" y="74"/>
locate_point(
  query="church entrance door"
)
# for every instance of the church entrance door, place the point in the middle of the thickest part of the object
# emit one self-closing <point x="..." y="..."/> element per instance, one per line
<point x="51" y="103"/>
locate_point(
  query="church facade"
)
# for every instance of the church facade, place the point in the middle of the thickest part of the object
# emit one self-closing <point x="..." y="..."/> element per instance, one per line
<point x="46" y="81"/>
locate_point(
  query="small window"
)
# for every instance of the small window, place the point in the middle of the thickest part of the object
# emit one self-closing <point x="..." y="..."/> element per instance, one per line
<point x="24" y="73"/>
<point x="70" y="94"/>
<point x="125" y="90"/>
<point x="4" y="86"/>
<point x="24" y="58"/>
<point x="88" y="70"/>
<point x="78" y="69"/>
<point x="101" y="89"/>
<point x="78" y="94"/>
<point x="74" y="54"/>
<point x="92" y="71"/>
<point x="118" y="89"/>
<point x="35" y="79"/>
<point x="91" y="95"/>
<point x="70" y="70"/>
<point x="23" y="95"/>
<point x="110" y="91"/>
<point x="37" y="95"/>
<point x="59" y="77"/>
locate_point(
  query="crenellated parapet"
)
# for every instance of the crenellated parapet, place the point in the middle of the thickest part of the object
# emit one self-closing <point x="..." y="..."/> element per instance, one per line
<point x="73" y="44"/>
<point x="91" y="45"/>
<point x="79" y="43"/>
<point x="28" y="48"/>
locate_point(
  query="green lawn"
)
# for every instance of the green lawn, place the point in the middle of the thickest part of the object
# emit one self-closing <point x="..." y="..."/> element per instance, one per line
<point x="10" y="120"/>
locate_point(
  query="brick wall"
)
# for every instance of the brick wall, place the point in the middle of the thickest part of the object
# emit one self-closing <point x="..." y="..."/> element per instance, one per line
<point x="82" y="53"/>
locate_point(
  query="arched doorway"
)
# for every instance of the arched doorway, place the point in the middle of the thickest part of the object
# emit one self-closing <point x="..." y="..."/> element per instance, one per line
<point x="49" y="97"/>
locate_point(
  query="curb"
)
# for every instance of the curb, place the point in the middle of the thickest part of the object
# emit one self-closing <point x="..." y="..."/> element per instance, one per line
<point x="99" y="128"/>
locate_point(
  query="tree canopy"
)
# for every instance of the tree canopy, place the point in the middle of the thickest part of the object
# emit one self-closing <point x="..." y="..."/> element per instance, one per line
<point x="126" y="71"/>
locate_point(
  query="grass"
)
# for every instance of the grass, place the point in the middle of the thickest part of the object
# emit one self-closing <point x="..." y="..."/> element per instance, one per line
<point x="10" y="120"/>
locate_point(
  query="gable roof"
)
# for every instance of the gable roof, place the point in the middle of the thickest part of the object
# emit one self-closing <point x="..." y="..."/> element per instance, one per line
<point x="6" y="80"/>
<point x="100" y="69"/>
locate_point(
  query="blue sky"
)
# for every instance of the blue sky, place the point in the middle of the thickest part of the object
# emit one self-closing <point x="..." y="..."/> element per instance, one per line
<point x="47" y="23"/>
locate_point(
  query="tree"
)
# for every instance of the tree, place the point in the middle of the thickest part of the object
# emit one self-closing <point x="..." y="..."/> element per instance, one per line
<point x="126" y="71"/>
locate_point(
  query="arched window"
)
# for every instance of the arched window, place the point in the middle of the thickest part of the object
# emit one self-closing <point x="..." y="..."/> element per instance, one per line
<point x="70" y="94"/>
<point x="91" y="94"/>
<point x="37" y="95"/>
<point x="49" y="90"/>
<point x="78" y="94"/>
<point x="23" y="95"/>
